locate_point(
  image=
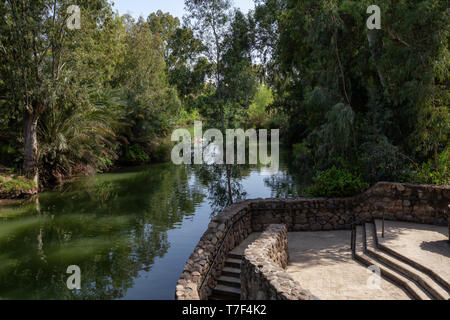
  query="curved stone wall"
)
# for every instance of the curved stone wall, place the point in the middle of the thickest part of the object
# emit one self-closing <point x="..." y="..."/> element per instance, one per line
<point x="404" y="202"/>
<point x="225" y="231"/>
<point x="263" y="275"/>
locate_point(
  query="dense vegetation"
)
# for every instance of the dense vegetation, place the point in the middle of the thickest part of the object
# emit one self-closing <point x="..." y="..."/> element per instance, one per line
<point x="356" y="105"/>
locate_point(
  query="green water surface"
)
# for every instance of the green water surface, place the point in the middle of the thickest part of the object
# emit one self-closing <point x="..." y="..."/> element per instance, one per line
<point x="130" y="232"/>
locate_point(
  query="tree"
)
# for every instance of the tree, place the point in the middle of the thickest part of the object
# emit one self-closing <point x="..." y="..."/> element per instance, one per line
<point x="210" y="20"/>
<point x="186" y="67"/>
<point x="35" y="45"/>
<point x="384" y="87"/>
<point x="238" y="73"/>
<point x="151" y="103"/>
<point x="165" y="26"/>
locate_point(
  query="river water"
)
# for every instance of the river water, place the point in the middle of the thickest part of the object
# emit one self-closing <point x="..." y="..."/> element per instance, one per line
<point x="130" y="232"/>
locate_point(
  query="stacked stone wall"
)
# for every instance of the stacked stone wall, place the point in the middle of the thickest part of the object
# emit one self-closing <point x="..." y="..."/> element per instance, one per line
<point x="263" y="275"/>
<point x="394" y="201"/>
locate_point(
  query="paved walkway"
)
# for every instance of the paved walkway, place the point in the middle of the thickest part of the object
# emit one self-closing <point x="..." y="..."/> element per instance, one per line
<point x="427" y="245"/>
<point x="322" y="263"/>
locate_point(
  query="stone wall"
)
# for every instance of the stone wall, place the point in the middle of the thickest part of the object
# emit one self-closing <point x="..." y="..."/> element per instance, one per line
<point x="225" y="231"/>
<point x="403" y="202"/>
<point x="303" y="214"/>
<point x="263" y="275"/>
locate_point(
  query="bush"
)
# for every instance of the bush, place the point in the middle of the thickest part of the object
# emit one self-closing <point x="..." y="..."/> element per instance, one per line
<point x="257" y="116"/>
<point x="161" y="152"/>
<point x="434" y="172"/>
<point x="136" y="154"/>
<point x="188" y="117"/>
<point x="15" y="185"/>
<point x="335" y="182"/>
<point x="73" y="138"/>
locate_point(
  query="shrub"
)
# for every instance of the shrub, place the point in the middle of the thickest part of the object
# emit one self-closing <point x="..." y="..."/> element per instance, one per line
<point x="162" y="150"/>
<point x="188" y="117"/>
<point x="257" y="115"/>
<point x="136" y="154"/>
<point x="15" y="184"/>
<point x="73" y="137"/>
<point x="335" y="182"/>
<point x="434" y="172"/>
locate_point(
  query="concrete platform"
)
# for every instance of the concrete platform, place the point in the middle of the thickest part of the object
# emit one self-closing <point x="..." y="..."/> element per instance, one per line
<point x="427" y="245"/>
<point x="322" y="263"/>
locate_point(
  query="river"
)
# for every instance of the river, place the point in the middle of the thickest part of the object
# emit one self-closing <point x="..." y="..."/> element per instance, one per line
<point x="130" y="232"/>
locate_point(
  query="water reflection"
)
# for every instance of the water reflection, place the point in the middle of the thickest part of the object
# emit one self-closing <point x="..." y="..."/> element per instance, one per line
<point x="117" y="228"/>
<point x="216" y="179"/>
<point x="112" y="226"/>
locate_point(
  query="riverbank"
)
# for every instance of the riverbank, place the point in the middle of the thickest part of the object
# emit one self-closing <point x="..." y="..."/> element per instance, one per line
<point x="14" y="186"/>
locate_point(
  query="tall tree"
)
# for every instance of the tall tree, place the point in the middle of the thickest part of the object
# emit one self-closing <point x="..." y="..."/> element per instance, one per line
<point x="152" y="103"/>
<point x="186" y="66"/>
<point x="237" y="68"/>
<point x="35" y="44"/>
<point x="377" y="94"/>
<point x="164" y="25"/>
<point x="210" y="19"/>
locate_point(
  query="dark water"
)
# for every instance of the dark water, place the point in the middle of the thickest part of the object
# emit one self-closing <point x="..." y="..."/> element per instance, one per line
<point x="130" y="232"/>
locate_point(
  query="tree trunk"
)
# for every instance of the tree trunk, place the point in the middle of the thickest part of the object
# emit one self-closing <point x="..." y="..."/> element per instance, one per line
<point x="372" y="45"/>
<point x="30" y="165"/>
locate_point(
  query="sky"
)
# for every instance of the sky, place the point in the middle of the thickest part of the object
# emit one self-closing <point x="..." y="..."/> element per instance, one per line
<point x="175" y="7"/>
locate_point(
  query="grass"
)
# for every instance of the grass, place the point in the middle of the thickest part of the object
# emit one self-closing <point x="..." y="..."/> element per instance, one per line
<point x="15" y="184"/>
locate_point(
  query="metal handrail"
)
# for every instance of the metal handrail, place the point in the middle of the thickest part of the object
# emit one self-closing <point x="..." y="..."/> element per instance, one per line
<point x="218" y="251"/>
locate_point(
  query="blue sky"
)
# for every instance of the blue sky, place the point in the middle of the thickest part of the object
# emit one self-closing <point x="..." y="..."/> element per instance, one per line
<point x="175" y="7"/>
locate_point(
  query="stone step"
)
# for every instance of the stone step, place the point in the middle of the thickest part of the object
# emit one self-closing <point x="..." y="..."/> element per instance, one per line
<point x="438" y="279"/>
<point x="219" y="297"/>
<point x="231" y="272"/>
<point x="233" y="263"/>
<point x="226" y="291"/>
<point x="235" y="256"/>
<point x="406" y="284"/>
<point x="425" y="281"/>
<point x="229" y="281"/>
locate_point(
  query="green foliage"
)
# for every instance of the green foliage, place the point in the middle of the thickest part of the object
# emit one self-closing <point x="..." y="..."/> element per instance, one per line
<point x="77" y="137"/>
<point x="434" y="172"/>
<point x="336" y="137"/>
<point x="369" y="102"/>
<point x="335" y="182"/>
<point x="377" y="98"/>
<point x="383" y="161"/>
<point x="188" y="117"/>
<point x="151" y="104"/>
<point x="162" y="149"/>
<point x="136" y="154"/>
<point x="303" y="158"/>
<point x="15" y="185"/>
<point x="257" y="115"/>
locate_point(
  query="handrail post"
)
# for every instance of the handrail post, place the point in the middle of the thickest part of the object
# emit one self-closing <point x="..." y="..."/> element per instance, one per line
<point x="351" y="240"/>
<point x="448" y="223"/>
<point x="382" y="209"/>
